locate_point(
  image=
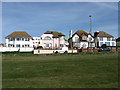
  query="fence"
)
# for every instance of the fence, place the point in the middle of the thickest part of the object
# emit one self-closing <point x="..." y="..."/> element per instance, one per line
<point x="112" y="49"/>
<point x="37" y="51"/>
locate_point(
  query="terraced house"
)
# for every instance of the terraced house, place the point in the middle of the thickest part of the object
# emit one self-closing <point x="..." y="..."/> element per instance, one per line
<point x="81" y="39"/>
<point x="53" y="40"/>
<point x="102" y="37"/>
<point x="19" y="39"/>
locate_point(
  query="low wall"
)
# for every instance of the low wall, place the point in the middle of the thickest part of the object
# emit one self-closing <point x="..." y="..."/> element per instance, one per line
<point x="26" y="49"/>
<point x="13" y="49"/>
<point x="51" y="51"/>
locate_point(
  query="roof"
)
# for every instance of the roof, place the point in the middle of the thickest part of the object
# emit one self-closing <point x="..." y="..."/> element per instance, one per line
<point x="118" y="39"/>
<point x="80" y="33"/>
<point x="55" y="34"/>
<point x="19" y="34"/>
<point x="103" y="34"/>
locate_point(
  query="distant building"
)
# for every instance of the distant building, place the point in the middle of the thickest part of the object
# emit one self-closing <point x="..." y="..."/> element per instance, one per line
<point x="118" y="41"/>
<point x="53" y="40"/>
<point x="81" y="39"/>
<point x="2" y="45"/>
<point x="19" y="39"/>
<point x="102" y="37"/>
<point x="36" y="41"/>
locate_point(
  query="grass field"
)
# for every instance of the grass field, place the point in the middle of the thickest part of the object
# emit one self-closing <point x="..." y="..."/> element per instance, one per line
<point x="90" y="70"/>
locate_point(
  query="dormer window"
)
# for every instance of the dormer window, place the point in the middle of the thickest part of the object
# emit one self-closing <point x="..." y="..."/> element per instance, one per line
<point x="47" y="38"/>
<point x="84" y="38"/>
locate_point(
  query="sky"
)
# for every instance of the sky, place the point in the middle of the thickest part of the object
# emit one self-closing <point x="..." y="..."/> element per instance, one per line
<point x="37" y="17"/>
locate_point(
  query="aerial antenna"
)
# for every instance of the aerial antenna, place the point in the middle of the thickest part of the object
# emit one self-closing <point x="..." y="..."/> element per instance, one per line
<point x="90" y="24"/>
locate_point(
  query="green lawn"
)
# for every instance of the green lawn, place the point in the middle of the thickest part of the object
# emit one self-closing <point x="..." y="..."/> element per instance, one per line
<point x="60" y="71"/>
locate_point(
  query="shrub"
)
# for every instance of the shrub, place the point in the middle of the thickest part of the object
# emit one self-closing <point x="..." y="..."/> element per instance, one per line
<point x="39" y="47"/>
<point x="103" y="46"/>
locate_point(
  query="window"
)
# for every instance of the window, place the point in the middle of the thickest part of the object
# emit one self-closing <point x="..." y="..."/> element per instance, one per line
<point x="47" y="45"/>
<point x="113" y="44"/>
<point x="17" y="45"/>
<point x="76" y="44"/>
<point x="107" y="43"/>
<point x="26" y="45"/>
<point x="26" y="39"/>
<point x="91" y="45"/>
<point x="101" y="43"/>
<point x="84" y="38"/>
<point x="76" y="39"/>
<point x="38" y="42"/>
<point x="61" y="38"/>
<point x="101" y="38"/>
<point x="10" y="39"/>
<point x="47" y="38"/>
<point x="10" y="45"/>
<point x="55" y="45"/>
<point x="108" y="39"/>
<point x="84" y="45"/>
<point x="61" y="45"/>
<point x="22" y="45"/>
<point x="90" y="39"/>
<point x="22" y="39"/>
<point x="13" y="39"/>
<point x="18" y="39"/>
<point x="50" y="45"/>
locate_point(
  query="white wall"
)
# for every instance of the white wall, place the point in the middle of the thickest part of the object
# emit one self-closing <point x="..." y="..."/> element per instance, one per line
<point x="105" y="40"/>
<point x="73" y="38"/>
<point x="30" y="43"/>
<point x="12" y="49"/>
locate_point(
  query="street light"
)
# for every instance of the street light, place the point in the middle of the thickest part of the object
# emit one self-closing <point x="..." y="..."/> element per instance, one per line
<point x="90" y="25"/>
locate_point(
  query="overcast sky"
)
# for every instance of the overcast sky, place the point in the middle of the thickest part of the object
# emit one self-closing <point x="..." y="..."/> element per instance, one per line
<point x="37" y="17"/>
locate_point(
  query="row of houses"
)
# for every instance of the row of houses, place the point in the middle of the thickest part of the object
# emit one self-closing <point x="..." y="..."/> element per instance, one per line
<point x="55" y="40"/>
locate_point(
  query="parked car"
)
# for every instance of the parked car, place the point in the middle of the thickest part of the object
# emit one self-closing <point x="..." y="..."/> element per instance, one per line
<point x="104" y="50"/>
<point x="61" y="50"/>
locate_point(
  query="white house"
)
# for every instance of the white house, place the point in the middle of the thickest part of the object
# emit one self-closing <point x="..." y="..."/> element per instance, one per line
<point x="19" y="39"/>
<point x="36" y="41"/>
<point x="81" y="39"/>
<point x="102" y="37"/>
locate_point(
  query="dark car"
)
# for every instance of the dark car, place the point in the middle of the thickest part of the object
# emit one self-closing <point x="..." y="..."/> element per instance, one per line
<point x="104" y="50"/>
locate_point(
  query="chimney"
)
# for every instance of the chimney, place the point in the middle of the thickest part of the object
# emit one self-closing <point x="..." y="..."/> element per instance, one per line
<point x="70" y="34"/>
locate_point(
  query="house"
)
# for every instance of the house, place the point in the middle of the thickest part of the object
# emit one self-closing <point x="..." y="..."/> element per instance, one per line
<point x="36" y="41"/>
<point x="1" y="45"/>
<point x="118" y="41"/>
<point x="19" y="39"/>
<point x="102" y="37"/>
<point x="81" y="39"/>
<point x="53" y="40"/>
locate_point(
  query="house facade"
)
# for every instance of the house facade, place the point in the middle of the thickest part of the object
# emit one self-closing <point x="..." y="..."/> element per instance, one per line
<point x="102" y="37"/>
<point x="36" y="41"/>
<point x="53" y="40"/>
<point x="118" y="41"/>
<point x="81" y="39"/>
<point x="1" y="45"/>
<point x="19" y="39"/>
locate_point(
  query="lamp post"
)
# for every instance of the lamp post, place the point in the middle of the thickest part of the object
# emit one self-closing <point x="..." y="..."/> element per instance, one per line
<point x="90" y="24"/>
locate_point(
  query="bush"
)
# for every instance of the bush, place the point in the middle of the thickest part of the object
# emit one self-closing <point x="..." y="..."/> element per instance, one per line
<point x="39" y="47"/>
<point x="103" y="46"/>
